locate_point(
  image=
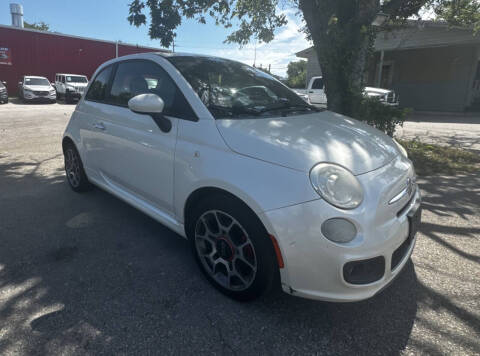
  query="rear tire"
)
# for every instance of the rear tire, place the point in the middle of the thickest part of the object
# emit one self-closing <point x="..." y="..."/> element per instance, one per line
<point x="232" y="247"/>
<point x="76" y="177"/>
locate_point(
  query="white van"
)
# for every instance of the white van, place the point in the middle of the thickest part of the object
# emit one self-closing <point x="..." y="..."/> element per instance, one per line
<point x="70" y="87"/>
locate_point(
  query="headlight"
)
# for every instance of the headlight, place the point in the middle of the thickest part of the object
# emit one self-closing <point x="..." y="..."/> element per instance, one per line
<point x="402" y="149"/>
<point x="336" y="185"/>
<point x="52" y="91"/>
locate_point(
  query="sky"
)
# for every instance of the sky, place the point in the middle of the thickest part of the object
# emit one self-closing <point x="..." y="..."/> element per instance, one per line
<point x="107" y="20"/>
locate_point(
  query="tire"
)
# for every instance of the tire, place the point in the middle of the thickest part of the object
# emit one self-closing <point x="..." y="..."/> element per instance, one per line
<point x="241" y="254"/>
<point x="76" y="177"/>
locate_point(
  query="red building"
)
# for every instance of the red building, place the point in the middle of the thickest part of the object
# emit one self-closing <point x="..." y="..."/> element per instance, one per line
<point x="30" y="52"/>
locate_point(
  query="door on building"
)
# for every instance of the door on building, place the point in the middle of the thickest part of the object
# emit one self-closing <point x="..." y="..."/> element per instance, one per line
<point x="387" y="76"/>
<point x="384" y="78"/>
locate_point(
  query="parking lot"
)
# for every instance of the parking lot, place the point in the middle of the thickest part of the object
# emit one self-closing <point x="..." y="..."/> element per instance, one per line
<point x="88" y="274"/>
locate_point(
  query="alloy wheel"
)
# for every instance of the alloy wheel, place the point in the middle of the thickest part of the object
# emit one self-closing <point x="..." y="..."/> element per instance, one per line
<point x="225" y="250"/>
<point x="72" y="167"/>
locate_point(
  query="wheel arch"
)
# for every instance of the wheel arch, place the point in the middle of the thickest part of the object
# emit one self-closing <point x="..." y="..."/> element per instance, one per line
<point x="201" y="193"/>
<point x="197" y="195"/>
<point x="66" y="141"/>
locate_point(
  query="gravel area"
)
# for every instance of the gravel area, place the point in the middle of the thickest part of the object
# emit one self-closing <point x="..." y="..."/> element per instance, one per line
<point x="449" y="129"/>
<point x="87" y="274"/>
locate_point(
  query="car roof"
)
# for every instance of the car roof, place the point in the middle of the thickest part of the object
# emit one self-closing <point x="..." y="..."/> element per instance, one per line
<point x="34" y="76"/>
<point x="186" y="54"/>
<point x="76" y="75"/>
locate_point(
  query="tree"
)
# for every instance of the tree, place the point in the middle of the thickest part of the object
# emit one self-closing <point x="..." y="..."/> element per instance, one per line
<point x="42" y="26"/>
<point x="457" y="12"/>
<point x="341" y="30"/>
<point x="297" y="74"/>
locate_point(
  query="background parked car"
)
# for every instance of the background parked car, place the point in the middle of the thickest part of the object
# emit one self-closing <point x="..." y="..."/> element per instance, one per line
<point x="386" y="96"/>
<point x="70" y="87"/>
<point x="315" y="93"/>
<point x="33" y="88"/>
<point x="3" y="92"/>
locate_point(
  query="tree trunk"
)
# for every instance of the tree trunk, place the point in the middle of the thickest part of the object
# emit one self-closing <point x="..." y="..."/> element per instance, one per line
<point x="342" y="34"/>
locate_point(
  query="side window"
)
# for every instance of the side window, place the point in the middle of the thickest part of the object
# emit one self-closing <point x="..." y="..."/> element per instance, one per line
<point x="98" y="89"/>
<point x="317" y="83"/>
<point x="145" y="77"/>
<point x="63" y="79"/>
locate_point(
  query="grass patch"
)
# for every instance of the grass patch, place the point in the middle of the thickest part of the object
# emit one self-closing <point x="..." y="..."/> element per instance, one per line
<point x="433" y="159"/>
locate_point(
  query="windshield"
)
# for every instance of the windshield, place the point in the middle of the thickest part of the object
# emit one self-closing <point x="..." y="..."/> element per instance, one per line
<point x="235" y="90"/>
<point x="76" y="79"/>
<point x="36" y="81"/>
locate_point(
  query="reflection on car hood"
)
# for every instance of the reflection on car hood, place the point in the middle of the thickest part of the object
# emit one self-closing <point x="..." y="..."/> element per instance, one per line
<point x="299" y="142"/>
<point x="38" y="87"/>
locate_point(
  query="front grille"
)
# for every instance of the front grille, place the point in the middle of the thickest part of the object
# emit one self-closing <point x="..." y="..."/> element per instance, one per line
<point x="391" y="97"/>
<point x="40" y="93"/>
<point x="365" y="271"/>
<point x="407" y="205"/>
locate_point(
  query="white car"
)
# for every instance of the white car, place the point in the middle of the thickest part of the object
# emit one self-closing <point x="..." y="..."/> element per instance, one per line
<point x="261" y="186"/>
<point x="70" y="87"/>
<point x="385" y="96"/>
<point x="318" y="97"/>
<point x="34" y="88"/>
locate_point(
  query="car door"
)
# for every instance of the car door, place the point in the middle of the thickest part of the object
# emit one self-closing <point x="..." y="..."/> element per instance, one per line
<point x="316" y="92"/>
<point x="90" y="113"/>
<point x="133" y="154"/>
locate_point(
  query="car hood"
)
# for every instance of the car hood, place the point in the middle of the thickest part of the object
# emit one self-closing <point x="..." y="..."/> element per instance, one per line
<point x="299" y="142"/>
<point x="38" y="87"/>
<point x="77" y="85"/>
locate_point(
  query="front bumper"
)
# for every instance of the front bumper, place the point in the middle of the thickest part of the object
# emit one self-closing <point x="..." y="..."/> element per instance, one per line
<point x="3" y="97"/>
<point x="315" y="266"/>
<point x="30" y="96"/>
<point x="73" y="95"/>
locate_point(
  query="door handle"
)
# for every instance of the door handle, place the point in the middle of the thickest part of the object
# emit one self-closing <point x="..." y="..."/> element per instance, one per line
<point x="99" y="126"/>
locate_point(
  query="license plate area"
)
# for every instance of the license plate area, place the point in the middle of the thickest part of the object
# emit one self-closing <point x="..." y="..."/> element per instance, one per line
<point x="414" y="219"/>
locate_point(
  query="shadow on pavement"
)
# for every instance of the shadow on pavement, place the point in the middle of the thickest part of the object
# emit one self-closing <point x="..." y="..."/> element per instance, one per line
<point x="86" y="273"/>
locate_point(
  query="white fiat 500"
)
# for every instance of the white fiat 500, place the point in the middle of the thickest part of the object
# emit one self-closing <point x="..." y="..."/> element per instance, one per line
<point x="260" y="182"/>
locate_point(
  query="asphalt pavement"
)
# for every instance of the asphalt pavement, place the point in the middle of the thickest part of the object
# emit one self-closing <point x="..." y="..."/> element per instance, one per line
<point x="88" y="274"/>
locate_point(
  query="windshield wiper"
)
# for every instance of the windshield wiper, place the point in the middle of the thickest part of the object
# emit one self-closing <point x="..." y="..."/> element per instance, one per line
<point x="290" y="108"/>
<point x="222" y="110"/>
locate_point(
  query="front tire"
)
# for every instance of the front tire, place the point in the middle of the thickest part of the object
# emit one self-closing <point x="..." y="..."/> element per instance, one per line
<point x="76" y="177"/>
<point x="232" y="248"/>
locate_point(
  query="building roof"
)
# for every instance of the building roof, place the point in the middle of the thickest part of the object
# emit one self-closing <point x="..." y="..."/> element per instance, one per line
<point x="418" y="34"/>
<point x="82" y="38"/>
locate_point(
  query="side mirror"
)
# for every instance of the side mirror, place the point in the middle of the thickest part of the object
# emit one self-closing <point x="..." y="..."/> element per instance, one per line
<point x="151" y="104"/>
<point x="4" y="83"/>
<point x="20" y="83"/>
<point x="52" y="84"/>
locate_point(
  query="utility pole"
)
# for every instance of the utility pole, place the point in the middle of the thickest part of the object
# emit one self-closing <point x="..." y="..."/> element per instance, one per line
<point x="255" y="54"/>
<point x="173" y="45"/>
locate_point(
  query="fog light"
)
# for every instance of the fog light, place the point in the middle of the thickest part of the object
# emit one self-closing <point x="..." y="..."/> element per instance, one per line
<point x="339" y="230"/>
